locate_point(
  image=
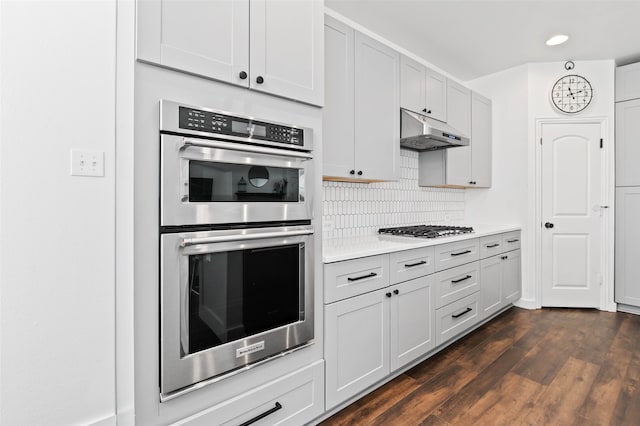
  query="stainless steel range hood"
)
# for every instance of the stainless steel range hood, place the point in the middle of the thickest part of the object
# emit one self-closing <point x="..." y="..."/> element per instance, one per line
<point x="421" y="133"/>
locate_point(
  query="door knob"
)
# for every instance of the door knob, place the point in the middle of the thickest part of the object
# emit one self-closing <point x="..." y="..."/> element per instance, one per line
<point x="548" y="225"/>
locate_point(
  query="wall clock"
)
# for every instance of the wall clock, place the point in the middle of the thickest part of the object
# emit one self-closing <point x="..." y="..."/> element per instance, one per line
<point x="571" y="94"/>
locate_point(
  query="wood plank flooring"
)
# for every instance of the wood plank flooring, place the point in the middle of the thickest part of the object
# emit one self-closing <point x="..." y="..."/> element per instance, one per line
<point x="542" y="367"/>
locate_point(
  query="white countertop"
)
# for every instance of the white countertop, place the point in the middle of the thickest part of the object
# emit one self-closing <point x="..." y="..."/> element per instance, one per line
<point x="337" y="249"/>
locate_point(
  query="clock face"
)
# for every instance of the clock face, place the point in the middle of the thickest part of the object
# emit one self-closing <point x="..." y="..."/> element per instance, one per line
<point x="571" y="94"/>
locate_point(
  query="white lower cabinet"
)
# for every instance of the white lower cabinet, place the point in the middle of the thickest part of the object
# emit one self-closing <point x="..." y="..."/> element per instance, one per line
<point x="356" y="345"/>
<point x="386" y="311"/>
<point x="511" y="277"/>
<point x="457" y="317"/>
<point x="294" y="399"/>
<point x="411" y="320"/>
<point x="501" y="282"/>
<point x="370" y="335"/>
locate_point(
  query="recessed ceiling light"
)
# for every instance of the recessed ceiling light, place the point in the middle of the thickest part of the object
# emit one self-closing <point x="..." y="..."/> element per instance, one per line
<point x="557" y="39"/>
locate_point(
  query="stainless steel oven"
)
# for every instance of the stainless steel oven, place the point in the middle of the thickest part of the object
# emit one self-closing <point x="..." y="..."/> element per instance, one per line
<point x="220" y="168"/>
<point x="231" y="298"/>
<point x="236" y="244"/>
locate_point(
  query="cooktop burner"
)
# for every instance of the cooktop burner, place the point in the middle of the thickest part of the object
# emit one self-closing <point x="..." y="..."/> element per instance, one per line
<point x="426" y="231"/>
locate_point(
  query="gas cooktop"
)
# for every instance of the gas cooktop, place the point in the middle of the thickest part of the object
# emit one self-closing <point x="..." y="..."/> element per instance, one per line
<point x="426" y="231"/>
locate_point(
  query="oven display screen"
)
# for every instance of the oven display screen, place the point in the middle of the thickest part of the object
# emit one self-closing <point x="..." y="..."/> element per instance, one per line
<point x="248" y="128"/>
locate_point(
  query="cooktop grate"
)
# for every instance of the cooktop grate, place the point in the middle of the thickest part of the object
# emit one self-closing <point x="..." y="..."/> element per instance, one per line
<point x="426" y="231"/>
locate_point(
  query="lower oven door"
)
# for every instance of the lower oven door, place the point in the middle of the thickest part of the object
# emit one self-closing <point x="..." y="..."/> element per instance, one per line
<point x="230" y="299"/>
<point x="206" y="181"/>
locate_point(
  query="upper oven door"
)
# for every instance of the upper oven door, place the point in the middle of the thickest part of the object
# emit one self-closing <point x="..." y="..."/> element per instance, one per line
<point x="205" y="181"/>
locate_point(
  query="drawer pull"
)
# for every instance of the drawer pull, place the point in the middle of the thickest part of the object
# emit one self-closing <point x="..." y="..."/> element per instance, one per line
<point x="461" y="279"/>
<point x="263" y="415"/>
<point x="411" y="265"/>
<point x="373" y="274"/>
<point x="513" y="241"/>
<point x="461" y="253"/>
<point x="493" y="245"/>
<point x="466" y="311"/>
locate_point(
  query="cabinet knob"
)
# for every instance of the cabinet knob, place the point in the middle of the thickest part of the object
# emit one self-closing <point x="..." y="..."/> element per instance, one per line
<point x="396" y="291"/>
<point x="424" y="110"/>
<point x="242" y="75"/>
<point x="428" y="111"/>
<point x="259" y="79"/>
<point x="359" y="172"/>
<point x="352" y="172"/>
<point x="388" y="295"/>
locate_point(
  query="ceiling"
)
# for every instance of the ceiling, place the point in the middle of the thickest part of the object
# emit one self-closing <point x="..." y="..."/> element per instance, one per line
<point x="473" y="38"/>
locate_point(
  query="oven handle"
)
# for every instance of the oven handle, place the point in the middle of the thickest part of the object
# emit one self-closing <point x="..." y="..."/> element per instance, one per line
<point x="244" y="237"/>
<point x="245" y="148"/>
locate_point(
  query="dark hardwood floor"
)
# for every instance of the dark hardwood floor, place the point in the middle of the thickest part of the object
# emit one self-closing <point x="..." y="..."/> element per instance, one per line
<point x="541" y="367"/>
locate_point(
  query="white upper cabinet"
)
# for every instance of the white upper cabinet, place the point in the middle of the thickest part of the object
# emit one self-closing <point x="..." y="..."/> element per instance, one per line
<point x="422" y="90"/>
<point x="338" y="114"/>
<point x="377" y="110"/>
<point x="208" y="38"/>
<point x="628" y="82"/>
<point x="481" y="135"/>
<point x="458" y="167"/>
<point x="361" y="118"/>
<point x="287" y="48"/>
<point x="628" y="143"/>
<point x="218" y="39"/>
<point x="436" y="95"/>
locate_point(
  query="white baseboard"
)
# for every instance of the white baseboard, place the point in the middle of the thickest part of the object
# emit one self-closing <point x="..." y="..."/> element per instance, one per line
<point x="526" y="304"/>
<point x="628" y="309"/>
<point x="107" y="421"/>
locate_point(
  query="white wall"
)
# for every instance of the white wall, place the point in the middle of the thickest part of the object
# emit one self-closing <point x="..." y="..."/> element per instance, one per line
<point x="520" y="96"/>
<point x="57" y="359"/>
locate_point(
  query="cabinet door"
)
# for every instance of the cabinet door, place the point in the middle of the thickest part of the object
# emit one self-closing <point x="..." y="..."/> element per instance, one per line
<point x="480" y="141"/>
<point x="377" y="112"/>
<point x="511" y="277"/>
<point x="338" y="112"/>
<point x="628" y="82"/>
<point x="436" y="95"/>
<point x="491" y="285"/>
<point x="627" y="246"/>
<point x="287" y="48"/>
<point x="459" y="117"/>
<point x="628" y="143"/>
<point x="413" y="85"/>
<point x="412" y="320"/>
<point x="356" y="345"/>
<point x="208" y="38"/>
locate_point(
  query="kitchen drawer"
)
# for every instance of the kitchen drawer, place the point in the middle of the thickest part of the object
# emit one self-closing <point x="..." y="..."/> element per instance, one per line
<point x="409" y="264"/>
<point x="457" y="317"/>
<point x="300" y="396"/>
<point x="511" y="241"/>
<point x="455" y="283"/>
<point x="458" y="253"/>
<point x="353" y="277"/>
<point x="491" y="245"/>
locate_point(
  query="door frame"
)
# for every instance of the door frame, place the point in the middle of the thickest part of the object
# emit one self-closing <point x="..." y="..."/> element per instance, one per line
<point x="607" y="192"/>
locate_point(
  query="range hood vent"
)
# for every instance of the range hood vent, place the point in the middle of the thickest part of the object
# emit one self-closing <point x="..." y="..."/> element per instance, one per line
<point x="422" y="133"/>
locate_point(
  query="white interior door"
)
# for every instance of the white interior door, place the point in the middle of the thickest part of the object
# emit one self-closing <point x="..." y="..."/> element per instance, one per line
<point x="571" y="214"/>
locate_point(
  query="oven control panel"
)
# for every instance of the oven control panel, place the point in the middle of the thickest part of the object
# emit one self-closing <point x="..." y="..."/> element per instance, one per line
<point x="224" y="124"/>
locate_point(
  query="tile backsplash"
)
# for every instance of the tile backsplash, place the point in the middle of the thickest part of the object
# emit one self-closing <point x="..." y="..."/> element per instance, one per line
<point x="357" y="209"/>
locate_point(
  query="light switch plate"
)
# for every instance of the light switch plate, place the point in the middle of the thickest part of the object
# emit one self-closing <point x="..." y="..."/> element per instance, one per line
<point x="87" y="163"/>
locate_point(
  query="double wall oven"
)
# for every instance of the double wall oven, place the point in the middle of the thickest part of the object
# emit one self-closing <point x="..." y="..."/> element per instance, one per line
<point x="236" y="243"/>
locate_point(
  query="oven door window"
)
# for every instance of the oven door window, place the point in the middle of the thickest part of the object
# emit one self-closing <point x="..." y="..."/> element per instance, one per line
<point x="228" y="182"/>
<point x="235" y="294"/>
